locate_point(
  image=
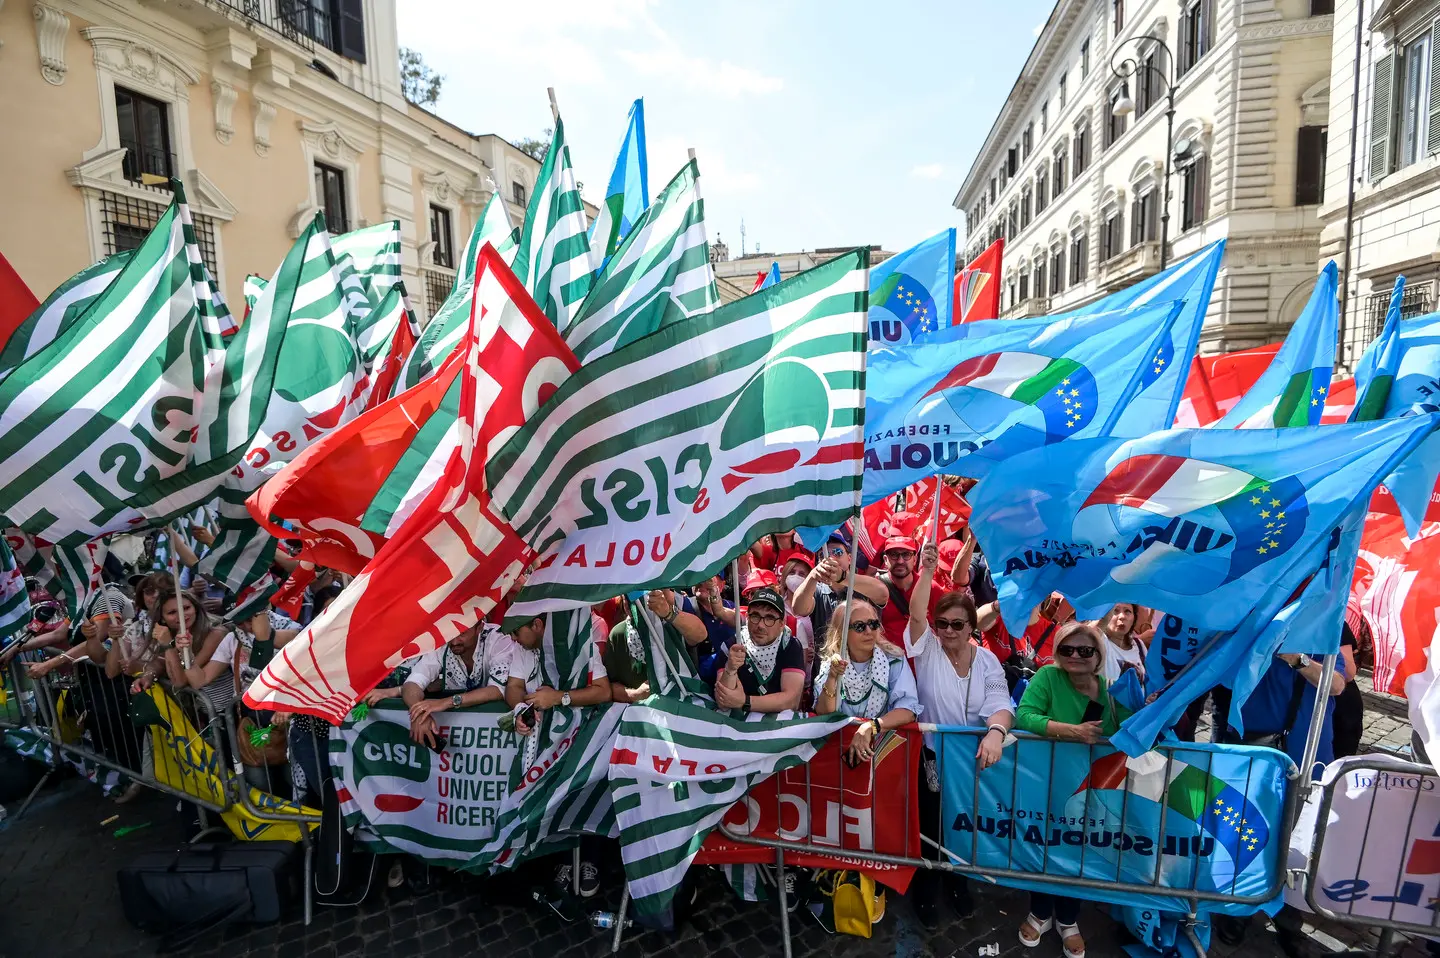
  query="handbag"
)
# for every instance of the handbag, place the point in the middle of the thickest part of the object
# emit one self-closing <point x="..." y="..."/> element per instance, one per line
<point x="271" y="752"/>
<point x="852" y="905"/>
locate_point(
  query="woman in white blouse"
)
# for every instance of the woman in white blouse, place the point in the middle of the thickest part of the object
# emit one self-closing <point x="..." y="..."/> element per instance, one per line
<point x="959" y="683"/>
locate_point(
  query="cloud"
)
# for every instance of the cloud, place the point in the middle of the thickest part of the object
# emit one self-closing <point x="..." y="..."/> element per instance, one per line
<point x="927" y="171"/>
<point x="700" y="74"/>
<point x="668" y="152"/>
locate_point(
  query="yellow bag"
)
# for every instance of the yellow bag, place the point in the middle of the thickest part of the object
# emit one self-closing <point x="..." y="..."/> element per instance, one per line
<point x="854" y="904"/>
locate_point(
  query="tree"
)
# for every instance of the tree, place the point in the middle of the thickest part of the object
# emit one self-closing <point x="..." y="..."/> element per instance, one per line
<point x="419" y="83"/>
<point x="537" y="148"/>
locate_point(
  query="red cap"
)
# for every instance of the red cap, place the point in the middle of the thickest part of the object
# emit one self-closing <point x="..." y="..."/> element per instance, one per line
<point x="798" y="554"/>
<point x="906" y="543"/>
<point x="949" y="552"/>
<point x="760" y="578"/>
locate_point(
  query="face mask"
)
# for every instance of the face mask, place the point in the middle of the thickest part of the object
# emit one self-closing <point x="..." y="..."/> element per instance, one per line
<point x="793" y="582"/>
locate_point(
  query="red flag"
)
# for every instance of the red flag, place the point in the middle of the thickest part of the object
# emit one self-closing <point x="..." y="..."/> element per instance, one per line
<point x="1216" y="384"/>
<point x="977" y="287"/>
<point x="16" y="300"/>
<point x="453" y="559"/>
<point x="883" y="519"/>
<point x="392" y="364"/>
<point x="1339" y="402"/>
<point x="1396" y="590"/>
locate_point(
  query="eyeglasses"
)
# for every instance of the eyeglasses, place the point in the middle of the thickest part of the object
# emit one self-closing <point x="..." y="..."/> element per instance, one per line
<point x="765" y="618"/>
<point x="1084" y="651"/>
<point x="902" y="555"/>
<point x="873" y="625"/>
<point x="958" y="625"/>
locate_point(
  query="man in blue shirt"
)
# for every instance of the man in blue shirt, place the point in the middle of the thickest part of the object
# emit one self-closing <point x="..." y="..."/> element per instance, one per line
<point x="1284" y="701"/>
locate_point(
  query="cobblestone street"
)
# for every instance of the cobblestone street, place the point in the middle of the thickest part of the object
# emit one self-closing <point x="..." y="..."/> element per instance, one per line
<point x="58" y="895"/>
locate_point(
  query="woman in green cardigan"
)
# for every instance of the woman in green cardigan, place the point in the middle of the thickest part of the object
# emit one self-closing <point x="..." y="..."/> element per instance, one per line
<point x="1069" y="701"/>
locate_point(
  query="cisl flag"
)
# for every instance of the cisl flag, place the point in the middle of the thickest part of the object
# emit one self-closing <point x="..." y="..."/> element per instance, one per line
<point x="655" y="464"/>
<point x="452" y="560"/>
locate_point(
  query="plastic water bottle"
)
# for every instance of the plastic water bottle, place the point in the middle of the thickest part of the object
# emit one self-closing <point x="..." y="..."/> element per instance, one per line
<point x="606" y="920"/>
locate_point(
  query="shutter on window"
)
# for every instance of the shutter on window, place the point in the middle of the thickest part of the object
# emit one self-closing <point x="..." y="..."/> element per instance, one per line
<point x="1381" y="111"/>
<point x="1432" y="137"/>
<point x="351" y="34"/>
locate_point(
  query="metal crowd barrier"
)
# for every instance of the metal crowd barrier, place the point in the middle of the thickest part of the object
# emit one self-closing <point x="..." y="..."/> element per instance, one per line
<point x="1427" y="832"/>
<point x="85" y="716"/>
<point x="953" y="861"/>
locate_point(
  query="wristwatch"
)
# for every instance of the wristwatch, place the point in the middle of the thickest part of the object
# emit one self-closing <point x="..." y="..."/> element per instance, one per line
<point x="565" y="698"/>
<point x="1302" y="662"/>
<point x="455" y="700"/>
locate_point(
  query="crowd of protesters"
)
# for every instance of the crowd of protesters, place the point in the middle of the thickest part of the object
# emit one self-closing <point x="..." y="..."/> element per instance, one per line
<point x="912" y="632"/>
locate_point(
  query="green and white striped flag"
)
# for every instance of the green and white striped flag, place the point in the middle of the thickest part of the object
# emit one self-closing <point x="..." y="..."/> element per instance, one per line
<point x="253" y="599"/>
<point x="660" y="275"/>
<point x="675" y="771"/>
<point x="67" y="304"/>
<point x="375" y="251"/>
<point x="242" y="552"/>
<point x="445" y="328"/>
<point x="670" y="667"/>
<point x="14" y="598"/>
<point x="655" y="464"/>
<point x="135" y="412"/>
<point x="319" y="381"/>
<point x="554" y="260"/>
<point x="254" y="288"/>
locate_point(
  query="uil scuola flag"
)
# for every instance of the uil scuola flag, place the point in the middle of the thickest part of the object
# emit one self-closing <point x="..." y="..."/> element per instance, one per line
<point x="1206" y="817"/>
<point x="970" y="395"/>
<point x="658" y="462"/>
<point x="911" y="292"/>
<point x="1197" y="522"/>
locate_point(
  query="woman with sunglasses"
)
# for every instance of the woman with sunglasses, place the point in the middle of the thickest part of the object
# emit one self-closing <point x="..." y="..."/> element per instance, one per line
<point x="1069" y="701"/>
<point x="959" y="683"/>
<point x="869" y="680"/>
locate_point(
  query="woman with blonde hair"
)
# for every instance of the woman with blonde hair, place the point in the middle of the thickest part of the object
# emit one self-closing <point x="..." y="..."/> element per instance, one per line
<point x="1069" y="701"/>
<point x="864" y="675"/>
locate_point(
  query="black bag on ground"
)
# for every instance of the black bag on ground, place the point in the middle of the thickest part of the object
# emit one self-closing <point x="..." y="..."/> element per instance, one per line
<point x="203" y="886"/>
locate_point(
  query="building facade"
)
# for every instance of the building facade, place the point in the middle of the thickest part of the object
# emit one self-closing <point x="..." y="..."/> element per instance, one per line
<point x="266" y="110"/>
<point x="1078" y="193"/>
<point x="1393" y="226"/>
<point x="736" y="277"/>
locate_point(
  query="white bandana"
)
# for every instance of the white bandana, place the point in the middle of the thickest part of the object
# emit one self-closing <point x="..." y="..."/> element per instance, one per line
<point x="866" y="686"/>
<point x="762" y="658"/>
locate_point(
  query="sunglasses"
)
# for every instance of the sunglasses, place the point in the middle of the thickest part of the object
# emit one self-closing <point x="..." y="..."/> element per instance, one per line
<point x="957" y="625"/>
<point x="873" y="625"/>
<point x="765" y="618"/>
<point x="1084" y="651"/>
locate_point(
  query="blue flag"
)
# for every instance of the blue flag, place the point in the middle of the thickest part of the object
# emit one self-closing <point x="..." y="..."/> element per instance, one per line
<point x="772" y="278"/>
<point x="911" y="293"/>
<point x="1292" y="390"/>
<point x="966" y="397"/>
<point x="1200" y="523"/>
<point x="627" y="195"/>
<point x="1375" y="373"/>
<point x="1202" y="817"/>
<point x="1191" y="280"/>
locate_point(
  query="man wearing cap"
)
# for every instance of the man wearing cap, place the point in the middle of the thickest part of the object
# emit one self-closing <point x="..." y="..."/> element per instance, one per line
<point x="825" y="585"/>
<point x="899" y="556"/>
<point x="765" y="666"/>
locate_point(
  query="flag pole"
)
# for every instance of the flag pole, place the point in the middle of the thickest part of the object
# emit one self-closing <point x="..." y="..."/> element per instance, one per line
<point x="1317" y="720"/>
<point x="858" y="519"/>
<point x="554" y="107"/>
<point x="187" y="655"/>
<point x="935" y="512"/>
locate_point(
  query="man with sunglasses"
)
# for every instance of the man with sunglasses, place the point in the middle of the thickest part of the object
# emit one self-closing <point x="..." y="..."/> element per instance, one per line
<point x="764" y="666"/>
<point x="900" y="554"/>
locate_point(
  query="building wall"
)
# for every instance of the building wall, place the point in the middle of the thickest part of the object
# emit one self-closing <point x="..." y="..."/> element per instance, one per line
<point x="1396" y="218"/>
<point x="1239" y="106"/>
<point x="248" y="119"/>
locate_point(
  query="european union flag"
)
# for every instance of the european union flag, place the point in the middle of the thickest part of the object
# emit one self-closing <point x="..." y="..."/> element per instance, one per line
<point x="628" y="193"/>
<point x="1201" y="523"/>
<point x="967" y="396"/>
<point x="1292" y="390"/>
<point x="911" y="293"/>
<point x="1191" y="280"/>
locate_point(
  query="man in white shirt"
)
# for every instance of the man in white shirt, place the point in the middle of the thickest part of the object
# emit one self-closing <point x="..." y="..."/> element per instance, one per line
<point x="471" y="669"/>
<point x="524" y="685"/>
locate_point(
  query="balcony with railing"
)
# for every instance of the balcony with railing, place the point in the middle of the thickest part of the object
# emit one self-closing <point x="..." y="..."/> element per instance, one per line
<point x="1129" y="267"/>
<point x="1365" y="322"/>
<point x="302" y="22"/>
<point x="1031" y="306"/>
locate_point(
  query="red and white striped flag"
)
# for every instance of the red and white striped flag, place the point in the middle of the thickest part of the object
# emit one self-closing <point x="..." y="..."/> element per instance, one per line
<point x="453" y="559"/>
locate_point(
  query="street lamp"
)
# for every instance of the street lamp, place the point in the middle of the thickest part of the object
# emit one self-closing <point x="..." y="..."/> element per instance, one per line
<point x="1129" y="67"/>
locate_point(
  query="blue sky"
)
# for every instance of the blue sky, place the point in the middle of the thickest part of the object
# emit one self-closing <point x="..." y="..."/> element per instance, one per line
<point x="819" y="124"/>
